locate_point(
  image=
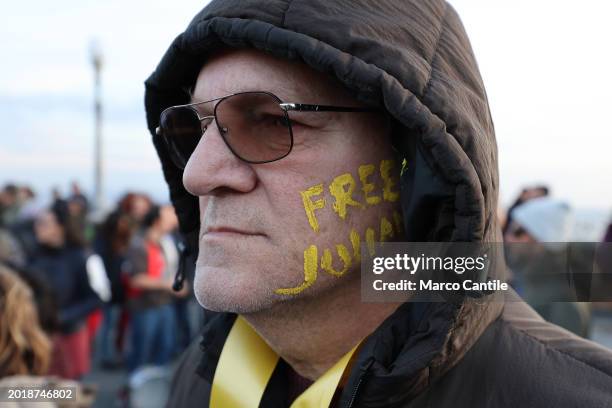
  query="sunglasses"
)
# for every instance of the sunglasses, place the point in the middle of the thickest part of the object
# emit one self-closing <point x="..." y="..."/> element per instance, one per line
<point x="255" y="126"/>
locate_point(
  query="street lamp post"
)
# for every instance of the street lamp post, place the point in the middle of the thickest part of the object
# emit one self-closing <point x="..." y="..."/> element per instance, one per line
<point x="96" y="59"/>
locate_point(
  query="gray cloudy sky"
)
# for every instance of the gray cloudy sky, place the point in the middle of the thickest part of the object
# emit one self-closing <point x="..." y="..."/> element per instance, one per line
<point x="544" y="64"/>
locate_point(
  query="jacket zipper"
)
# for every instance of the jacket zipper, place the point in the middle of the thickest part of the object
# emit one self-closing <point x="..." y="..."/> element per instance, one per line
<point x="359" y="381"/>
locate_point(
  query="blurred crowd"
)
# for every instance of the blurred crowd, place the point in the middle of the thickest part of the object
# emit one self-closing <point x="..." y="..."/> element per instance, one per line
<point x="74" y="290"/>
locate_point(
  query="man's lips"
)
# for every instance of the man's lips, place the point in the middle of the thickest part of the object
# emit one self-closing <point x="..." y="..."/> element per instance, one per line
<point x="226" y="231"/>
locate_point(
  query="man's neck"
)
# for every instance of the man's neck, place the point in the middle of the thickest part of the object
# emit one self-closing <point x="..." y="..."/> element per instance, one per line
<point x="312" y="334"/>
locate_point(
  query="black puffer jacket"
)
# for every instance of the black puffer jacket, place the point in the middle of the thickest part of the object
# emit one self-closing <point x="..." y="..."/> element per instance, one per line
<point x="414" y="59"/>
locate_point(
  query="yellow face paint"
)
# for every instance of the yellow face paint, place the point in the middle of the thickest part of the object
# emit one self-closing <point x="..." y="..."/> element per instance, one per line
<point x="367" y="187"/>
<point x="311" y="255"/>
<point x="356" y="244"/>
<point x="310" y="205"/>
<point x="370" y="241"/>
<point x="311" y="268"/>
<point x="388" y="180"/>
<point x="342" y="188"/>
<point x="404" y="166"/>
<point x="386" y="230"/>
<point x="327" y="262"/>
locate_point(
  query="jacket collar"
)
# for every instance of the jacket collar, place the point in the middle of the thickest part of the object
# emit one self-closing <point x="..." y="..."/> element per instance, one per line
<point x="413" y="347"/>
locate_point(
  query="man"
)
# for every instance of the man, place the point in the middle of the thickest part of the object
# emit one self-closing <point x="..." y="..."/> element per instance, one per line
<point x="321" y="123"/>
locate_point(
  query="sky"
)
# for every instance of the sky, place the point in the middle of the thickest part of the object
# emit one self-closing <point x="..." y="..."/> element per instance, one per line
<point x="543" y="63"/>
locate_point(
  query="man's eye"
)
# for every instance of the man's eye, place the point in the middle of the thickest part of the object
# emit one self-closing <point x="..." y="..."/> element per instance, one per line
<point x="284" y="121"/>
<point x="276" y="121"/>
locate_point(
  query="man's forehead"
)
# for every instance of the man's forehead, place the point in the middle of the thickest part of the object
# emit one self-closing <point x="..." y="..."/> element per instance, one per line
<point x="234" y="71"/>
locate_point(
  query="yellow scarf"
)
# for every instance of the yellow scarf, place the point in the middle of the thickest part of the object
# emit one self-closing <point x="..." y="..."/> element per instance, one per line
<point x="246" y="365"/>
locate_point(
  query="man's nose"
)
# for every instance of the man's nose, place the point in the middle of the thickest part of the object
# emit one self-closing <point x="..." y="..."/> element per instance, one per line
<point x="213" y="166"/>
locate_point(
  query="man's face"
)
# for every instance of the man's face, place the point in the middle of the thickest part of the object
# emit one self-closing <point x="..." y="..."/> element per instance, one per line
<point x="292" y="228"/>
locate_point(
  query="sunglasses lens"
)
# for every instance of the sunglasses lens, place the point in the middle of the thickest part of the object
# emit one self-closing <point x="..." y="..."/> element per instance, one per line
<point x="254" y="126"/>
<point x="182" y="130"/>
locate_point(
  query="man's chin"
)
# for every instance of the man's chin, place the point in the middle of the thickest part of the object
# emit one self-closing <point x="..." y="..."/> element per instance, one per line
<point x="215" y="292"/>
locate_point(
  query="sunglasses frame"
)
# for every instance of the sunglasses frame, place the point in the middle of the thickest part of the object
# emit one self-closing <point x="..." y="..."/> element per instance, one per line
<point x="286" y="107"/>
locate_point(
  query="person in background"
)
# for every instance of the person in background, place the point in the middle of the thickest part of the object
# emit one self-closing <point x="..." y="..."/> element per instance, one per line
<point x="186" y="307"/>
<point x="150" y="295"/>
<point x="135" y="205"/>
<point x="25" y="348"/>
<point x="604" y="256"/>
<point x="78" y="208"/>
<point x="112" y="243"/>
<point x="10" y="248"/>
<point x="78" y="198"/>
<point x="9" y="204"/>
<point x="12" y="256"/>
<point x="23" y="226"/>
<point x="63" y="261"/>
<point x="528" y="193"/>
<point x="28" y="205"/>
<point x="56" y="194"/>
<point x="540" y="228"/>
<point x="603" y="261"/>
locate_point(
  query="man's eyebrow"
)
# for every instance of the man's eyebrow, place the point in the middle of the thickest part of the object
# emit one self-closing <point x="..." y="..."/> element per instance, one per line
<point x="286" y="94"/>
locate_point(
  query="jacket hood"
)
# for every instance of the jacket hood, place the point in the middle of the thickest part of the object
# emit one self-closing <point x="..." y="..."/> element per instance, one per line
<point x="412" y="58"/>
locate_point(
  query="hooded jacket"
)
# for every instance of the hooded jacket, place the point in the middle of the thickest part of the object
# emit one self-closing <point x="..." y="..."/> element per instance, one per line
<point x="413" y="59"/>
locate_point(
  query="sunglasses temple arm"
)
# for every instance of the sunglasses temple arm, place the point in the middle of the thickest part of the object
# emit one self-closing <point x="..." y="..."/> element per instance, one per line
<point x="302" y="107"/>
